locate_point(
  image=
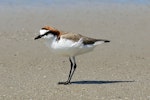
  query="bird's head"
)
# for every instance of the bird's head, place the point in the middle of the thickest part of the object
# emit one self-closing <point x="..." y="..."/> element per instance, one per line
<point x="47" y="32"/>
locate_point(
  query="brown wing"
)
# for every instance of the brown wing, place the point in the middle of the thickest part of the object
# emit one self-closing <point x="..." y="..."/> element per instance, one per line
<point x="77" y="37"/>
<point x="87" y="40"/>
<point x="72" y="36"/>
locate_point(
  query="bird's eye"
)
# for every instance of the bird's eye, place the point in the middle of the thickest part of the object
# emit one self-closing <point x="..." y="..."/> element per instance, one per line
<point x="46" y="33"/>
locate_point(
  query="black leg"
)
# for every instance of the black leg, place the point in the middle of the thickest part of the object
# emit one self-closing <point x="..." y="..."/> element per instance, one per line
<point x="68" y="81"/>
<point x="72" y="67"/>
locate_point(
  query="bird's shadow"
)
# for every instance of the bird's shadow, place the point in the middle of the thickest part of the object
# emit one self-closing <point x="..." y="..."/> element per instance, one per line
<point x="98" y="82"/>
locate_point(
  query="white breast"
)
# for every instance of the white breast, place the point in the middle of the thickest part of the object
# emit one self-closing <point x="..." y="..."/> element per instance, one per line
<point x="69" y="48"/>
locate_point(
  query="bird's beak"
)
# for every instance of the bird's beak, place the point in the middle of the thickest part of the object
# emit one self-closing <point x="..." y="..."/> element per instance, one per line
<point x="38" y="37"/>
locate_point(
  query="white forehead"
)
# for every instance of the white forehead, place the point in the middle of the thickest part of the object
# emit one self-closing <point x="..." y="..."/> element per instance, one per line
<point x="42" y="31"/>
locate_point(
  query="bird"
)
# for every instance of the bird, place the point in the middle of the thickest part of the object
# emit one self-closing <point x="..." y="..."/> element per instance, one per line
<point x="68" y="44"/>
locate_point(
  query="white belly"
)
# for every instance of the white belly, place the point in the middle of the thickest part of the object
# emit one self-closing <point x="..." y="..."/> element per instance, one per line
<point x="72" y="51"/>
<point x="69" y="48"/>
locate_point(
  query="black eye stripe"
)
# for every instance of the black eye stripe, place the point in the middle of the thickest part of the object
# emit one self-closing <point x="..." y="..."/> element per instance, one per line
<point x="46" y="33"/>
<point x="49" y="32"/>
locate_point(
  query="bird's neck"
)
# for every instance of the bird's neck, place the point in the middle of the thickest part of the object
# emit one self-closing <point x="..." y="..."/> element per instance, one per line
<point x="50" y="41"/>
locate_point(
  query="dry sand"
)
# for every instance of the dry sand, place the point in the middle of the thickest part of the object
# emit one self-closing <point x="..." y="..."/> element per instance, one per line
<point x="119" y="70"/>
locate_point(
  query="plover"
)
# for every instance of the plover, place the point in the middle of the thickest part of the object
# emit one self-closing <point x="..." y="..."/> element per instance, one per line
<point x="68" y="44"/>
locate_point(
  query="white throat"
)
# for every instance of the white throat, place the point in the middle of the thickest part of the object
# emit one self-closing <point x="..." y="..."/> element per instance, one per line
<point x="49" y="41"/>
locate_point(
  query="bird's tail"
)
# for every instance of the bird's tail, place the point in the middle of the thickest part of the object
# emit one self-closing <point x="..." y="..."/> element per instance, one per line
<point x="106" y="41"/>
<point x="100" y="41"/>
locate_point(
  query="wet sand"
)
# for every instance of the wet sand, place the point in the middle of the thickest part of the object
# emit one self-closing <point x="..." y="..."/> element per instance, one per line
<point x="115" y="71"/>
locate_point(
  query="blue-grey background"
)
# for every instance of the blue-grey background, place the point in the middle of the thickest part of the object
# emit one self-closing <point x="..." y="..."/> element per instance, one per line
<point x="64" y="2"/>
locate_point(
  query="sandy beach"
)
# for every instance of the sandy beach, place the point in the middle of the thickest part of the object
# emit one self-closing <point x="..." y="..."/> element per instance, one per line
<point x="119" y="70"/>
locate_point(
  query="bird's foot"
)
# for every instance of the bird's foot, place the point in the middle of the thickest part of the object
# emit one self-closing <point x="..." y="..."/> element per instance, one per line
<point x="64" y="83"/>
